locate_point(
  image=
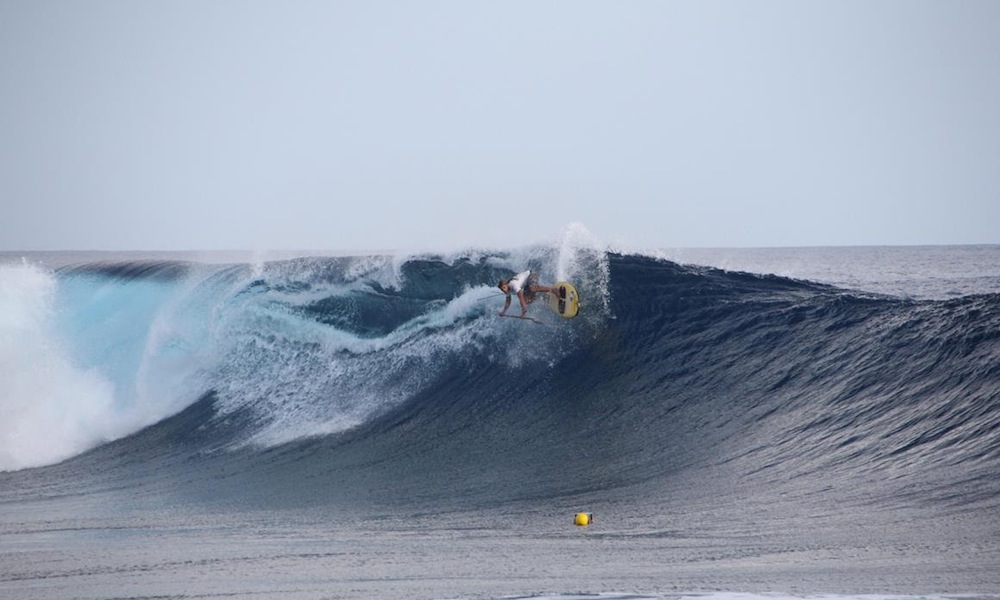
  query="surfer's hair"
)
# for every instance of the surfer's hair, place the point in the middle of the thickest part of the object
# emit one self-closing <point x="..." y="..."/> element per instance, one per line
<point x="502" y="283"/>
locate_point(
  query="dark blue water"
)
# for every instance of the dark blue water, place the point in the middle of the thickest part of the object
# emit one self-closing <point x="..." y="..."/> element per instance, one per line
<point x="366" y="427"/>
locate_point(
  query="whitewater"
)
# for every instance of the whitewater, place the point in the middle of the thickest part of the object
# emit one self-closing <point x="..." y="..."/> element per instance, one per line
<point x="819" y="423"/>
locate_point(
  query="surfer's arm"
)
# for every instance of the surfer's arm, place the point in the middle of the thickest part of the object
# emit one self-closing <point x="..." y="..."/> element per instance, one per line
<point x="524" y="304"/>
<point x="506" y="305"/>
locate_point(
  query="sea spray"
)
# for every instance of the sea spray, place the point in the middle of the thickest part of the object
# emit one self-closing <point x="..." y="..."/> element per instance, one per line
<point x="52" y="408"/>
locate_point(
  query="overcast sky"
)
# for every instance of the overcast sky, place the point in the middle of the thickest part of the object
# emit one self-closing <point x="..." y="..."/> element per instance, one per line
<point x="438" y="125"/>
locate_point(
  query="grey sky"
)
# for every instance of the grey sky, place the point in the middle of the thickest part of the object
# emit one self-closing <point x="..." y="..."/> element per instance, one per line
<point x="434" y="125"/>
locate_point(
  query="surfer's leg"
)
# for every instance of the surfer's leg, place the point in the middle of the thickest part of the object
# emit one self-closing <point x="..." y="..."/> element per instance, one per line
<point x="545" y="289"/>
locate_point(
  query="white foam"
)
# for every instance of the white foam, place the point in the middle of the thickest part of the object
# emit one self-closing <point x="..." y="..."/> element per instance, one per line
<point x="52" y="409"/>
<point x="322" y="380"/>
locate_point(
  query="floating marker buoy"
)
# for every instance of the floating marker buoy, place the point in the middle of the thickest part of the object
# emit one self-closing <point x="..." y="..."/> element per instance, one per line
<point x="583" y="519"/>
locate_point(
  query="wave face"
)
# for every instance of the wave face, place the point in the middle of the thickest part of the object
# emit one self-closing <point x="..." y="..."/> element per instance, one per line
<point x="380" y="381"/>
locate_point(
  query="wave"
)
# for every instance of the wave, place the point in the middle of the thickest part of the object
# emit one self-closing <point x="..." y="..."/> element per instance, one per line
<point x="349" y="377"/>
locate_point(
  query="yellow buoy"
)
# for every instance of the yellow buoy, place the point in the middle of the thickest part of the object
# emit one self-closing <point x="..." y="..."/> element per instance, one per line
<point x="583" y="519"/>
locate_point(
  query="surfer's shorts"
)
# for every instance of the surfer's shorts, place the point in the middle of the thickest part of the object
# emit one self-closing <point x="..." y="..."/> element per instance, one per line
<point x="529" y="295"/>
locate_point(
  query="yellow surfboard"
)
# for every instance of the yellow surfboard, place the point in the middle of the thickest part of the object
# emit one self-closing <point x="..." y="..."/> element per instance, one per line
<point x="565" y="301"/>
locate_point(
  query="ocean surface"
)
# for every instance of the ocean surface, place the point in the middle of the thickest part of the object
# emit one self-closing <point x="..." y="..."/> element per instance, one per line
<point x="743" y="425"/>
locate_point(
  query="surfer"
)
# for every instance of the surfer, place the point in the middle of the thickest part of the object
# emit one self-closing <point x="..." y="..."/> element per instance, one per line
<point x="525" y="285"/>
